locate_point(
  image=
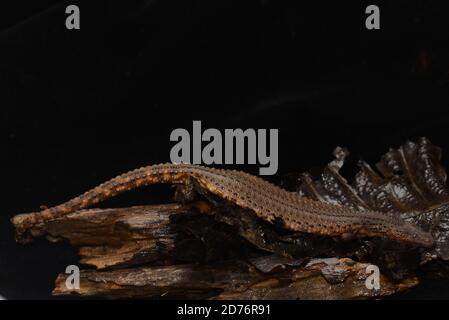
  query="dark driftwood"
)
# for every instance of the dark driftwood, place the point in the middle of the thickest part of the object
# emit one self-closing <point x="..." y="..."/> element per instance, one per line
<point x="116" y="237"/>
<point x="319" y="279"/>
<point x="171" y="251"/>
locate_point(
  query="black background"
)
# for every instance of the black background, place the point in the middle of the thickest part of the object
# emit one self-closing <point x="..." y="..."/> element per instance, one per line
<point x="79" y="107"/>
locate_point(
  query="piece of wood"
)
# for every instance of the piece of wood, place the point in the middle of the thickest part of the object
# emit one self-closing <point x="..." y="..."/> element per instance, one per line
<point x="319" y="279"/>
<point x="150" y="235"/>
<point x="116" y="237"/>
<point x="174" y="251"/>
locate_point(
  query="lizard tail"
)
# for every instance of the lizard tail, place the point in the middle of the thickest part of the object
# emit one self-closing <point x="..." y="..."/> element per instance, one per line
<point x="163" y="173"/>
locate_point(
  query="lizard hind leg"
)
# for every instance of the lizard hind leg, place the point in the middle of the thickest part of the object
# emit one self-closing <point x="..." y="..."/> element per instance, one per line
<point x="188" y="193"/>
<point x="191" y="190"/>
<point x="185" y="192"/>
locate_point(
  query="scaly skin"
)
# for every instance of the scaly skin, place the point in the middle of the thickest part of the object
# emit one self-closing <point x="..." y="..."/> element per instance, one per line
<point x="268" y="201"/>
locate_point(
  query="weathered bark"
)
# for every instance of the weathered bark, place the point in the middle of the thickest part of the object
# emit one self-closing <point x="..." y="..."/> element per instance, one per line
<point x="171" y="251"/>
<point x="116" y="237"/>
<point x="319" y="279"/>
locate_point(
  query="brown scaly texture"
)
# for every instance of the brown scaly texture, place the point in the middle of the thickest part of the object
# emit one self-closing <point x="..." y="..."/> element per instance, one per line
<point x="268" y="201"/>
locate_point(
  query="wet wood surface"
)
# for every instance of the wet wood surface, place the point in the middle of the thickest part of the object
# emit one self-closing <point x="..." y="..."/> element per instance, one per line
<point x="143" y="252"/>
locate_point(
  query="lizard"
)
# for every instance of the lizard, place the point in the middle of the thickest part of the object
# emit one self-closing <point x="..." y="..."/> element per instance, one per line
<point x="269" y="202"/>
